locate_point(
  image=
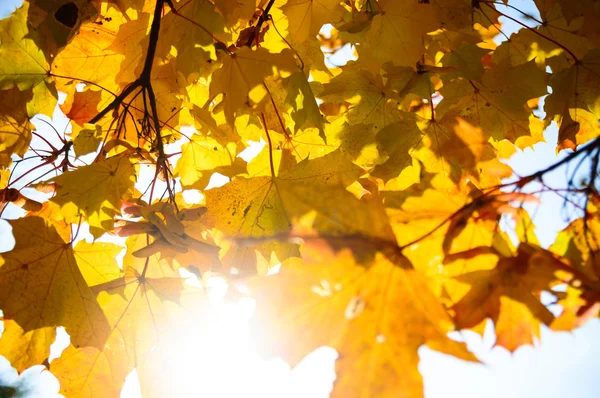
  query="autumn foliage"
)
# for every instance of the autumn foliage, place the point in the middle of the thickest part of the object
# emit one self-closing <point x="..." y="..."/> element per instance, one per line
<point x="378" y="193"/>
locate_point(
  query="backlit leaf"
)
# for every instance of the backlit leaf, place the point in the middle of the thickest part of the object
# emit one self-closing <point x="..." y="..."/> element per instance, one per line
<point x="95" y="191"/>
<point x="43" y="288"/>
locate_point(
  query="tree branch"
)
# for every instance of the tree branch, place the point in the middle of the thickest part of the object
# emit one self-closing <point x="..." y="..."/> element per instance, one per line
<point x="144" y="79"/>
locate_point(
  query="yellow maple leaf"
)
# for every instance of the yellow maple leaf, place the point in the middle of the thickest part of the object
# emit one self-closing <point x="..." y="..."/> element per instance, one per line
<point x="22" y="63"/>
<point x="201" y="157"/>
<point x="95" y="191"/>
<point x="498" y="105"/>
<point x="396" y="33"/>
<point x="300" y="96"/>
<point x="236" y="12"/>
<point x="265" y="205"/>
<point x="306" y="17"/>
<point x="397" y="140"/>
<point x="58" y="21"/>
<point x="97" y="261"/>
<point x="142" y="306"/>
<point x="361" y="312"/>
<point x="578" y="243"/>
<point x="367" y="99"/>
<point x="244" y="70"/>
<point x="510" y="295"/>
<point x="574" y="101"/>
<point x="97" y="52"/>
<point x="193" y="28"/>
<point x="14" y="138"/>
<point x="42" y="288"/>
<point x="87" y="139"/>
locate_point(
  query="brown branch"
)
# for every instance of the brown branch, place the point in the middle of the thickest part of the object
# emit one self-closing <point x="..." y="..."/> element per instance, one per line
<point x="154" y="32"/>
<point x="516" y="9"/>
<point x="261" y="20"/>
<point x="143" y="82"/>
<point x="144" y="79"/>
<point x="521" y="182"/>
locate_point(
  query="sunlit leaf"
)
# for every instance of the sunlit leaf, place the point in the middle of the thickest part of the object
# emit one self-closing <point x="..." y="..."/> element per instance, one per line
<point x="43" y="288"/>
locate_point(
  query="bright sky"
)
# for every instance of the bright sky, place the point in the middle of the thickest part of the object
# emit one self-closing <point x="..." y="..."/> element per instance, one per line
<point x="564" y="364"/>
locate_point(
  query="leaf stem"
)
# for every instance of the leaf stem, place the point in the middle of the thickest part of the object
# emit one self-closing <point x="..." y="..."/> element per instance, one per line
<point x="270" y="18"/>
<point x="262" y="115"/>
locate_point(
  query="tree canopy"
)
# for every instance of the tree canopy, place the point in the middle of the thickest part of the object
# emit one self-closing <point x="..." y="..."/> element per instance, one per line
<point x="370" y="220"/>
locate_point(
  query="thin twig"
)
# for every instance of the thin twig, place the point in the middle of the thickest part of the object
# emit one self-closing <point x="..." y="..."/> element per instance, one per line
<point x="575" y="59"/>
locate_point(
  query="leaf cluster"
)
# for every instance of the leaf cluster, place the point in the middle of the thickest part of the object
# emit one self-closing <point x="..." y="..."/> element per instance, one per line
<point x="376" y="187"/>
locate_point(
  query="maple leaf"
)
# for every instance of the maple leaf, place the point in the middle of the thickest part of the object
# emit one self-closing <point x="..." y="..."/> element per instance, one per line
<point x="466" y="59"/>
<point x="97" y="261"/>
<point x="306" y="17"/>
<point x="87" y="139"/>
<point x="234" y="12"/>
<point x="460" y="150"/>
<point x="14" y="138"/>
<point x="23" y="63"/>
<point x="367" y="98"/>
<point x="290" y="110"/>
<point x="96" y="191"/>
<point x="397" y="140"/>
<point x="498" y="104"/>
<point x="308" y="51"/>
<point x="201" y="157"/>
<point x="578" y="245"/>
<point x="509" y="295"/>
<point x="463" y="13"/>
<point x="43" y="288"/>
<point x="445" y="220"/>
<point x="396" y="33"/>
<point x="193" y="27"/>
<point x="566" y="31"/>
<point x="57" y="22"/>
<point x="524" y="47"/>
<point x="244" y="70"/>
<point x="361" y="312"/>
<point x="300" y="96"/>
<point x="574" y="101"/>
<point x="18" y="106"/>
<point x="265" y="205"/>
<point x="141" y="307"/>
<point x="84" y="106"/>
<point x="98" y="51"/>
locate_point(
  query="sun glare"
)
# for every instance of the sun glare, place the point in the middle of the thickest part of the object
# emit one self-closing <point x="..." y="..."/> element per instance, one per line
<point x="217" y="359"/>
